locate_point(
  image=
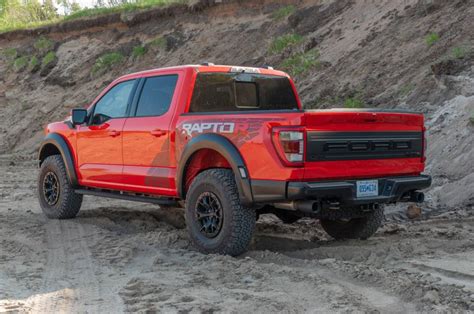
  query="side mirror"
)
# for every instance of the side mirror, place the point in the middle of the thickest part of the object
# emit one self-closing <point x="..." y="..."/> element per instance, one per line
<point x="78" y="116"/>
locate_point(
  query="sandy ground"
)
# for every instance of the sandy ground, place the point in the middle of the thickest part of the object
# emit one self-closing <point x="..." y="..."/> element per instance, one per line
<point x="121" y="256"/>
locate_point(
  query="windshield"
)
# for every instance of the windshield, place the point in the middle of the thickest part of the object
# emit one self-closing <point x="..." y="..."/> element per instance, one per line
<point x="217" y="92"/>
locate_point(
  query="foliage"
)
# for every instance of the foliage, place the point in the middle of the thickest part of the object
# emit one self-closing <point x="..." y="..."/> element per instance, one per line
<point x="20" y="63"/>
<point x="113" y="6"/>
<point x="431" y="39"/>
<point x="355" y="101"/>
<point x="301" y="62"/>
<point x="459" y="52"/>
<point x="16" y="14"/>
<point x="43" y="44"/>
<point x="34" y="64"/>
<point x="107" y="61"/>
<point x="471" y="118"/>
<point x="283" y="12"/>
<point x="48" y="58"/>
<point x="406" y="89"/>
<point x="159" y="42"/>
<point x="281" y="43"/>
<point x="21" y="14"/>
<point x="10" y="53"/>
<point x="138" y="51"/>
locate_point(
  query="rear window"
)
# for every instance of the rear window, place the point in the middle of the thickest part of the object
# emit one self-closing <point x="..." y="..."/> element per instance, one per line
<point x="218" y="92"/>
<point x="156" y="95"/>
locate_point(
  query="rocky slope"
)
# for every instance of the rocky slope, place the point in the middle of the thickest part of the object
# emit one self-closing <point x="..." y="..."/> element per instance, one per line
<point x="415" y="54"/>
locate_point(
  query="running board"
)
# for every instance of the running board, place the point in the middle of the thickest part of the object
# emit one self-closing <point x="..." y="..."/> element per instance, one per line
<point x="127" y="196"/>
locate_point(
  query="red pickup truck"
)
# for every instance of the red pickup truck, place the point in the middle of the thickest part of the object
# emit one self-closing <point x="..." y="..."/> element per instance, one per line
<point x="229" y="143"/>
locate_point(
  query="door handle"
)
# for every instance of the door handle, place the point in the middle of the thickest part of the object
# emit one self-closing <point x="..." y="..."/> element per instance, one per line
<point x="114" y="133"/>
<point x="158" y="132"/>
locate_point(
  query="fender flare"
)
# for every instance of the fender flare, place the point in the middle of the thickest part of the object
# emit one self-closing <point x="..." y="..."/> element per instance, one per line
<point x="224" y="147"/>
<point x="60" y="143"/>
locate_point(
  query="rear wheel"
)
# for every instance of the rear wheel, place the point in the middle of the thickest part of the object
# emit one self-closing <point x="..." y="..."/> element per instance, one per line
<point x="56" y="195"/>
<point x="355" y="228"/>
<point x="215" y="219"/>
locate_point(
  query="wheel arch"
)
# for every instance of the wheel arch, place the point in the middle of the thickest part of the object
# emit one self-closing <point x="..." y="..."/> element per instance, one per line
<point x="228" y="151"/>
<point x="55" y="144"/>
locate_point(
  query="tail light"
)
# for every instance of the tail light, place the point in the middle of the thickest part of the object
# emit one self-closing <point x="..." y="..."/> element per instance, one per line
<point x="289" y="144"/>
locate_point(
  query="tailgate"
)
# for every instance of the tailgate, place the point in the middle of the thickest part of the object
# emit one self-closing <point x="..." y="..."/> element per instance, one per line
<point x="362" y="144"/>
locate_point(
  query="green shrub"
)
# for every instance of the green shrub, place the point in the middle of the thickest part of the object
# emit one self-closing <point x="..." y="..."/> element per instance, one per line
<point x="354" y="101"/>
<point x="107" y="61"/>
<point x="281" y="43"/>
<point x="458" y="52"/>
<point x="138" y="51"/>
<point x="406" y="89"/>
<point x="34" y="64"/>
<point x="158" y="42"/>
<point x="20" y="63"/>
<point x="431" y="39"/>
<point x="301" y="62"/>
<point x="43" y="44"/>
<point x="283" y="12"/>
<point x="10" y="53"/>
<point x="48" y="58"/>
<point x="471" y="118"/>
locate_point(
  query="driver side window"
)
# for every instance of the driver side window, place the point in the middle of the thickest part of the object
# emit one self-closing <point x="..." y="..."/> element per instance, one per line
<point x="114" y="103"/>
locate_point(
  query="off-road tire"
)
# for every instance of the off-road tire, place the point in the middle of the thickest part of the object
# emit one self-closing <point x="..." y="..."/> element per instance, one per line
<point x="287" y="218"/>
<point x="238" y="222"/>
<point x="355" y="228"/>
<point x="68" y="203"/>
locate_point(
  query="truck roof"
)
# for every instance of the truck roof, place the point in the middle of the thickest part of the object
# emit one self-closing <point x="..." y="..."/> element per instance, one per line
<point x="204" y="68"/>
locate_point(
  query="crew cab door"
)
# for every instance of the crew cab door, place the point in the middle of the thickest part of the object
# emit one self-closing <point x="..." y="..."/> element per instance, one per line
<point x="99" y="143"/>
<point x="148" y="165"/>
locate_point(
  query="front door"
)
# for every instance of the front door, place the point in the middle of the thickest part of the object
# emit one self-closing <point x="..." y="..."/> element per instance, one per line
<point x="146" y="138"/>
<point x="99" y="143"/>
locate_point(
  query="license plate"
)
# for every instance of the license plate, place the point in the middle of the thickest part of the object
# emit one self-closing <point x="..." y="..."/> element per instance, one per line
<point x="367" y="188"/>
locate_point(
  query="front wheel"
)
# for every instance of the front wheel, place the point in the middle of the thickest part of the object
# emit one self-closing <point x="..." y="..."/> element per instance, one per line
<point x="215" y="219"/>
<point x="355" y="228"/>
<point x="56" y="195"/>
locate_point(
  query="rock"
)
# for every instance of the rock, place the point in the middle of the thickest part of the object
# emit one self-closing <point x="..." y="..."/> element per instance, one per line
<point x="432" y="296"/>
<point x="413" y="211"/>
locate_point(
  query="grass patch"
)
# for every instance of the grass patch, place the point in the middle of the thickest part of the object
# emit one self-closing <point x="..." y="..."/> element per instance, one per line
<point x="125" y="7"/>
<point x="283" y="12"/>
<point x="281" y="43"/>
<point x="138" y="51"/>
<point x="355" y="101"/>
<point x="34" y="64"/>
<point x="44" y="44"/>
<point x="20" y="63"/>
<point x="158" y="42"/>
<point x="431" y="39"/>
<point x="301" y="62"/>
<point x="107" y="61"/>
<point x="406" y="89"/>
<point x="459" y="52"/>
<point x="48" y="58"/>
<point x="10" y="53"/>
<point x="34" y="16"/>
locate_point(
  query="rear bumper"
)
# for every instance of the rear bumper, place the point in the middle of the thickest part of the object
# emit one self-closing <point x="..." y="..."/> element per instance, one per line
<point x="392" y="189"/>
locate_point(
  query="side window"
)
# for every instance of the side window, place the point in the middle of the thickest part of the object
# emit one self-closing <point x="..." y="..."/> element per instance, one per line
<point x="156" y="95"/>
<point x="114" y="103"/>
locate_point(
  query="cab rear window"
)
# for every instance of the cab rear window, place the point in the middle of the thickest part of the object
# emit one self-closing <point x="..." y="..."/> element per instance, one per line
<point x="221" y="92"/>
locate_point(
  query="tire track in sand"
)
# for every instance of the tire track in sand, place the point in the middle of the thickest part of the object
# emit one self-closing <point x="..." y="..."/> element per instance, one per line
<point x="72" y="281"/>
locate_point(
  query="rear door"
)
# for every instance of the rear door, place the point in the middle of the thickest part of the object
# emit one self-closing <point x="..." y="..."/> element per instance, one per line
<point x="148" y="165"/>
<point x="99" y="143"/>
